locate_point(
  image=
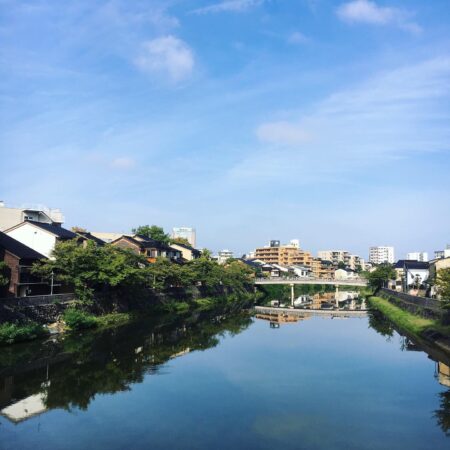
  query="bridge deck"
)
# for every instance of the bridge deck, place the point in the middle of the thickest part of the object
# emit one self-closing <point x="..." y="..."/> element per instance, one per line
<point x="298" y="280"/>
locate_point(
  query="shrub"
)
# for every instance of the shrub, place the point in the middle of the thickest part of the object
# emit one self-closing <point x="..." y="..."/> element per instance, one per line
<point x="79" y="320"/>
<point x="12" y="332"/>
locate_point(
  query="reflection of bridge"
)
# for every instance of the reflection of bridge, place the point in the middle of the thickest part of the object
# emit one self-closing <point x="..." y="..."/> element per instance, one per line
<point x="306" y="313"/>
<point x="312" y="280"/>
<point x="291" y="281"/>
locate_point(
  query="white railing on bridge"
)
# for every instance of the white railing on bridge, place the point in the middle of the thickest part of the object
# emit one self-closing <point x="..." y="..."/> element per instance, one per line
<point x="267" y="280"/>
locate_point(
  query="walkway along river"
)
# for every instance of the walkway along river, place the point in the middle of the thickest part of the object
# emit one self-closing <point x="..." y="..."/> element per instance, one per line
<point x="215" y="381"/>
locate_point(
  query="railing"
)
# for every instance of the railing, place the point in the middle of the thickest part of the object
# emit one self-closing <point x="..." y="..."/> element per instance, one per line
<point x="34" y="300"/>
<point x="312" y="279"/>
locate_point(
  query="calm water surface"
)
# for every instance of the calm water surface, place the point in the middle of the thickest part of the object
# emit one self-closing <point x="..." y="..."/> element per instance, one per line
<point x="226" y="382"/>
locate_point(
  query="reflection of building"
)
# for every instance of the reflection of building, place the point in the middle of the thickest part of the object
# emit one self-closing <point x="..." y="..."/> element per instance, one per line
<point x="443" y="372"/>
<point x="186" y="233"/>
<point x="285" y="255"/>
<point x="380" y="255"/>
<point x="280" y="317"/>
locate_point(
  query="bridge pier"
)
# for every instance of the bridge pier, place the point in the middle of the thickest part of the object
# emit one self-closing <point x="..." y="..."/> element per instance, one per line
<point x="336" y="292"/>
<point x="292" y="294"/>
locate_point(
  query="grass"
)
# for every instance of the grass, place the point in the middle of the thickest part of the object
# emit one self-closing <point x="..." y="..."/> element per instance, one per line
<point x="11" y="333"/>
<point x="407" y="321"/>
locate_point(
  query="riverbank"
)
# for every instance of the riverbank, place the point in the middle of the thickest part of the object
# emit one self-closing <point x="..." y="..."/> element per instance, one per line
<point x="419" y="328"/>
<point x="80" y="316"/>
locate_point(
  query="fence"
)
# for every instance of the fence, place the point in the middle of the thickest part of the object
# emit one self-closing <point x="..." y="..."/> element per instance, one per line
<point x="37" y="300"/>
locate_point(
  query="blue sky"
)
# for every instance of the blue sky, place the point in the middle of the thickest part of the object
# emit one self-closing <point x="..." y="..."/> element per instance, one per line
<point x="326" y="121"/>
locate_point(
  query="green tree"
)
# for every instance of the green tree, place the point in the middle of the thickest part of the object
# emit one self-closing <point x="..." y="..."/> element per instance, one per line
<point x="443" y="285"/>
<point x="164" y="274"/>
<point x="152" y="232"/>
<point x="380" y="276"/>
<point x="180" y="240"/>
<point x="92" y="268"/>
<point x="5" y="273"/>
<point x="341" y="265"/>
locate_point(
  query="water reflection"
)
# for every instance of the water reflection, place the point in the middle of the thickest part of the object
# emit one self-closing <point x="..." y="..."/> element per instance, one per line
<point x="69" y="372"/>
<point x="442" y="360"/>
<point x="340" y="300"/>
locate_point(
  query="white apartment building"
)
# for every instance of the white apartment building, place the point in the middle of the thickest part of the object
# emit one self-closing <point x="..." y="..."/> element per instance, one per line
<point x="417" y="256"/>
<point x="186" y="233"/>
<point x="224" y="256"/>
<point x="381" y="254"/>
<point x="11" y="216"/>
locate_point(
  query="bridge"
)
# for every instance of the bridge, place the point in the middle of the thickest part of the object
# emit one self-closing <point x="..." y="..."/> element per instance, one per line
<point x="292" y="281"/>
<point x="311" y="280"/>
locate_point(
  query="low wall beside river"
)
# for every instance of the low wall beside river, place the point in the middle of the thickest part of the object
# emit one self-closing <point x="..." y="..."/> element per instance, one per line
<point x="425" y="307"/>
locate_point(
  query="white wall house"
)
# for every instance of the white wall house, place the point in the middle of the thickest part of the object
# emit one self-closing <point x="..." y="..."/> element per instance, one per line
<point x="342" y="274"/>
<point x="41" y="237"/>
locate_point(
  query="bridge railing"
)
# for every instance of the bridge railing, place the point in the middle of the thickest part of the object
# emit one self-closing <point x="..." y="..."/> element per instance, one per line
<point x="318" y="280"/>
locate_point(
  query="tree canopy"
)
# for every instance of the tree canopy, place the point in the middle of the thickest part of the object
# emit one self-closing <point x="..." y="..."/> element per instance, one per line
<point x="443" y="285"/>
<point x="92" y="268"/>
<point x="152" y="232"/>
<point x="381" y="275"/>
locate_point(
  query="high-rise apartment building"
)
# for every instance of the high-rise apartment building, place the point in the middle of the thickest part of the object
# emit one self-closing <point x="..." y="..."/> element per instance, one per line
<point x="186" y="233"/>
<point x="379" y="255"/>
<point x="284" y="255"/>
<point x="417" y="256"/>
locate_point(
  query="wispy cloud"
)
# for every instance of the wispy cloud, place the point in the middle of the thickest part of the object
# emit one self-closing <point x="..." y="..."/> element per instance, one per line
<point x="123" y="163"/>
<point x="395" y="115"/>
<point x="282" y="133"/>
<point x="228" y="6"/>
<point x="297" y="38"/>
<point x="368" y="12"/>
<point x="166" y="56"/>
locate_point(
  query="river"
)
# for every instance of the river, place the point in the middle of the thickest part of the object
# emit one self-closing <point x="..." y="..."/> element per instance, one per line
<point x="226" y="382"/>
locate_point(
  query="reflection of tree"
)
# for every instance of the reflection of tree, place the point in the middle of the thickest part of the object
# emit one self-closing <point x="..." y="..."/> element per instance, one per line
<point x="442" y="415"/>
<point x="381" y="325"/>
<point x="112" y="360"/>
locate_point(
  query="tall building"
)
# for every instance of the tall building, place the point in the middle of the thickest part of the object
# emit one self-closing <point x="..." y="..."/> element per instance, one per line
<point x="11" y="216"/>
<point x="186" y="233"/>
<point x="417" y="256"/>
<point x="284" y="255"/>
<point x="224" y="256"/>
<point x="439" y="254"/>
<point x="379" y="255"/>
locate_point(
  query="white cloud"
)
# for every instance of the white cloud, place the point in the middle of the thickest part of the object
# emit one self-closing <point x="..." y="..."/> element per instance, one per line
<point x="297" y="38"/>
<point x="166" y="56"/>
<point x="123" y="163"/>
<point x="228" y="6"/>
<point x="282" y="133"/>
<point x="366" y="11"/>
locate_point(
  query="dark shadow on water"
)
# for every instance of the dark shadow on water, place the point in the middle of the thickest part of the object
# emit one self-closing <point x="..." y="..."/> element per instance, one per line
<point x="70" y="371"/>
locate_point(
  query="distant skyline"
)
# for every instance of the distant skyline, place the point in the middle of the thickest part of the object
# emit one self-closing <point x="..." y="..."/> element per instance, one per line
<point x="249" y="120"/>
